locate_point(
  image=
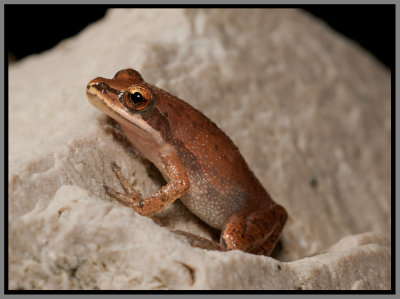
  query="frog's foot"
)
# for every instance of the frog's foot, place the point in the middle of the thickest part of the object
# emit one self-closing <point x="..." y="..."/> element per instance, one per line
<point x="127" y="199"/>
<point x="254" y="231"/>
<point x="200" y="242"/>
<point x="158" y="200"/>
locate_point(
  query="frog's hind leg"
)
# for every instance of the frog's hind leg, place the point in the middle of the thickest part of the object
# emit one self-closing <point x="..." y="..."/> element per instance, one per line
<point x="268" y="246"/>
<point x="200" y="242"/>
<point x="254" y="231"/>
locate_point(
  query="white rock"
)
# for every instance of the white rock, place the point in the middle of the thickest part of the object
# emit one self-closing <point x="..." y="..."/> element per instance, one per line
<point x="308" y="109"/>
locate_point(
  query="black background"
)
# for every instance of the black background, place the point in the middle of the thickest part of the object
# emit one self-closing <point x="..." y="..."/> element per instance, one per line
<point x="34" y="28"/>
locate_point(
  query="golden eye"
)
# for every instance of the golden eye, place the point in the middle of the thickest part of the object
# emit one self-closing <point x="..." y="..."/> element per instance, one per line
<point x="138" y="97"/>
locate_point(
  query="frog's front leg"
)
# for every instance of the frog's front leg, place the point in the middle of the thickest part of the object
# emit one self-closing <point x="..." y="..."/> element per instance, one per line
<point x="154" y="203"/>
<point x="256" y="231"/>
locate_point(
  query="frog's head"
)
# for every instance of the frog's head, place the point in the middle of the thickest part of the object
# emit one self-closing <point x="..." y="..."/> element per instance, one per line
<point x="124" y="97"/>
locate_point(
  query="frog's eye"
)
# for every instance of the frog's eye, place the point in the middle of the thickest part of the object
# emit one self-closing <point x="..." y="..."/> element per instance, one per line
<point x="138" y="98"/>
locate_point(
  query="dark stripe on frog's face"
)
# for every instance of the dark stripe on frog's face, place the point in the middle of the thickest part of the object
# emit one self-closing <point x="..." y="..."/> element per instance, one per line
<point x="105" y="88"/>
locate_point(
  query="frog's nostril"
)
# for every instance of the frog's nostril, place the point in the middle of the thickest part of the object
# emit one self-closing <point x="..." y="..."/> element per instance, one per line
<point x="88" y="86"/>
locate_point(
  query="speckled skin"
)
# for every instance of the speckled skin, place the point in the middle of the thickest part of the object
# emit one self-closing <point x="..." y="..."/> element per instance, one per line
<point x="201" y="164"/>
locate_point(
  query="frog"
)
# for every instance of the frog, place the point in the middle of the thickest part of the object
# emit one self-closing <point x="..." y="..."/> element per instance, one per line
<point x="200" y="164"/>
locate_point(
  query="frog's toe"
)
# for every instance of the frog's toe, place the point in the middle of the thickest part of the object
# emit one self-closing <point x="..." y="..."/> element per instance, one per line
<point x="124" y="182"/>
<point x="114" y="166"/>
<point x="111" y="192"/>
<point x="120" y="197"/>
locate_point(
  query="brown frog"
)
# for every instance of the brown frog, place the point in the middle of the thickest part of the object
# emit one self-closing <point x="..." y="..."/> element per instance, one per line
<point x="200" y="163"/>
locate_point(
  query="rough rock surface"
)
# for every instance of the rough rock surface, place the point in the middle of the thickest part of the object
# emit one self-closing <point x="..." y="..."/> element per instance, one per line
<point x="308" y="109"/>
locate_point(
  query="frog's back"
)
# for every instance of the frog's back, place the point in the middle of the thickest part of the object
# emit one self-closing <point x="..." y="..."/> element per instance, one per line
<point x="221" y="183"/>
